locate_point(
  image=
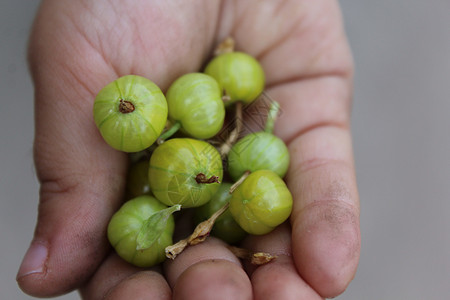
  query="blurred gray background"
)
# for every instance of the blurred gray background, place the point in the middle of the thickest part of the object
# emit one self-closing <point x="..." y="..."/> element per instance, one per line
<point x="401" y="129"/>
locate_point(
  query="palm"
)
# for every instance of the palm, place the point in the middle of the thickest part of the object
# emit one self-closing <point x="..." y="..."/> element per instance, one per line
<point x="308" y="67"/>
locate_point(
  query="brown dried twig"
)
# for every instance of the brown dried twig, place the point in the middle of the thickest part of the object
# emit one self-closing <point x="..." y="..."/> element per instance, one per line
<point x="201" y="232"/>
<point x="255" y="258"/>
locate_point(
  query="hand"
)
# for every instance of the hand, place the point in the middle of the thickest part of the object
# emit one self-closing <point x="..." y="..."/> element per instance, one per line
<point x="76" y="47"/>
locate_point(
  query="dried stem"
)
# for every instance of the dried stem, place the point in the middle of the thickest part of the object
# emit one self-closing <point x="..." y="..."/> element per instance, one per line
<point x="201" y="232"/>
<point x="201" y="178"/>
<point x="255" y="258"/>
<point x="239" y="182"/>
<point x="234" y="134"/>
<point x="225" y="46"/>
<point x="126" y="107"/>
<point x="225" y="97"/>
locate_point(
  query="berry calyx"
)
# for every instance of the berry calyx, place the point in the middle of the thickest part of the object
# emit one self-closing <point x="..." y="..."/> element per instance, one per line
<point x="126" y="107"/>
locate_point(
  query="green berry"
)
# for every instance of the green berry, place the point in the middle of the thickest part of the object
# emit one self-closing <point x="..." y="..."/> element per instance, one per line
<point x="137" y="179"/>
<point x="185" y="171"/>
<point x="258" y="151"/>
<point x="141" y="230"/>
<point x="261" y="202"/>
<point x="130" y="113"/>
<point x="195" y="101"/>
<point x="240" y="76"/>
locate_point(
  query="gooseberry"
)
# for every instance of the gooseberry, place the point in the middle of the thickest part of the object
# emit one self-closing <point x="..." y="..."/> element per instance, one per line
<point x="137" y="179"/>
<point x="130" y="113"/>
<point x="239" y="75"/>
<point x="185" y="171"/>
<point x="258" y="151"/>
<point x="141" y="229"/>
<point x="195" y="103"/>
<point x="261" y="202"/>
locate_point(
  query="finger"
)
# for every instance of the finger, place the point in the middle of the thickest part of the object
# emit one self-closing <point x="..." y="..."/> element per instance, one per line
<point x="321" y="178"/>
<point x="309" y="72"/>
<point x="117" y="279"/>
<point x="81" y="177"/>
<point x="142" y="285"/>
<point x="200" y="271"/>
<point x="279" y="278"/>
<point x="325" y="217"/>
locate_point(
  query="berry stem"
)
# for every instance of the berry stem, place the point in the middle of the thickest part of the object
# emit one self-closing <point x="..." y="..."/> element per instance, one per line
<point x="225" y="46"/>
<point x="255" y="258"/>
<point x="272" y="116"/>
<point x="201" y="178"/>
<point x="239" y="182"/>
<point x="234" y="135"/>
<point x="201" y="232"/>
<point x="126" y="107"/>
<point x="169" y="132"/>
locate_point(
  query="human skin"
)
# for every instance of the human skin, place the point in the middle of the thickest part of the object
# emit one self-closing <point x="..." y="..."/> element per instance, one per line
<point x="77" y="47"/>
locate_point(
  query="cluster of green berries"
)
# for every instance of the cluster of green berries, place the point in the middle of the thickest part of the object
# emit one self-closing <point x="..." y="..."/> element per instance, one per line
<point x="134" y="115"/>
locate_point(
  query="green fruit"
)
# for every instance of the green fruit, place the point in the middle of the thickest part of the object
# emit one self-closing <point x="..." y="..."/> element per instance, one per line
<point x="185" y="171"/>
<point x="258" y="151"/>
<point x="130" y="113"/>
<point x="195" y="101"/>
<point x="137" y="179"/>
<point x="261" y="202"/>
<point x="141" y="230"/>
<point x="239" y="75"/>
<point x="225" y="226"/>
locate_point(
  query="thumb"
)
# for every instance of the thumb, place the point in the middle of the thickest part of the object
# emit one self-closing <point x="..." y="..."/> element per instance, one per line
<point x="81" y="177"/>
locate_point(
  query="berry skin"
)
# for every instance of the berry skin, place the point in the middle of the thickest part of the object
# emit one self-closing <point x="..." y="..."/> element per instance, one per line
<point x="185" y="171"/>
<point x="137" y="179"/>
<point x="258" y="151"/>
<point x="126" y="224"/>
<point x="195" y="101"/>
<point x="261" y="202"/>
<point x="240" y="76"/>
<point x="130" y="113"/>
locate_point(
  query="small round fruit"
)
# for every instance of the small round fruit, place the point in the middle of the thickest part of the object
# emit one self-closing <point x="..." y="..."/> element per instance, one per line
<point x="185" y="171"/>
<point x="240" y="75"/>
<point x="130" y="113"/>
<point x="225" y="226"/>
<point x="261" y="202"/>
<point x="258" y="151"/>
<point x="128" y="222"/>
<point x="195" y="100"/>
<point x="137" y="179"/>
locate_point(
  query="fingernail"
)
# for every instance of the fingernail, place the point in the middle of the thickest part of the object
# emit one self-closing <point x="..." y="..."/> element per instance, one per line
<point x="34" y="260"/>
